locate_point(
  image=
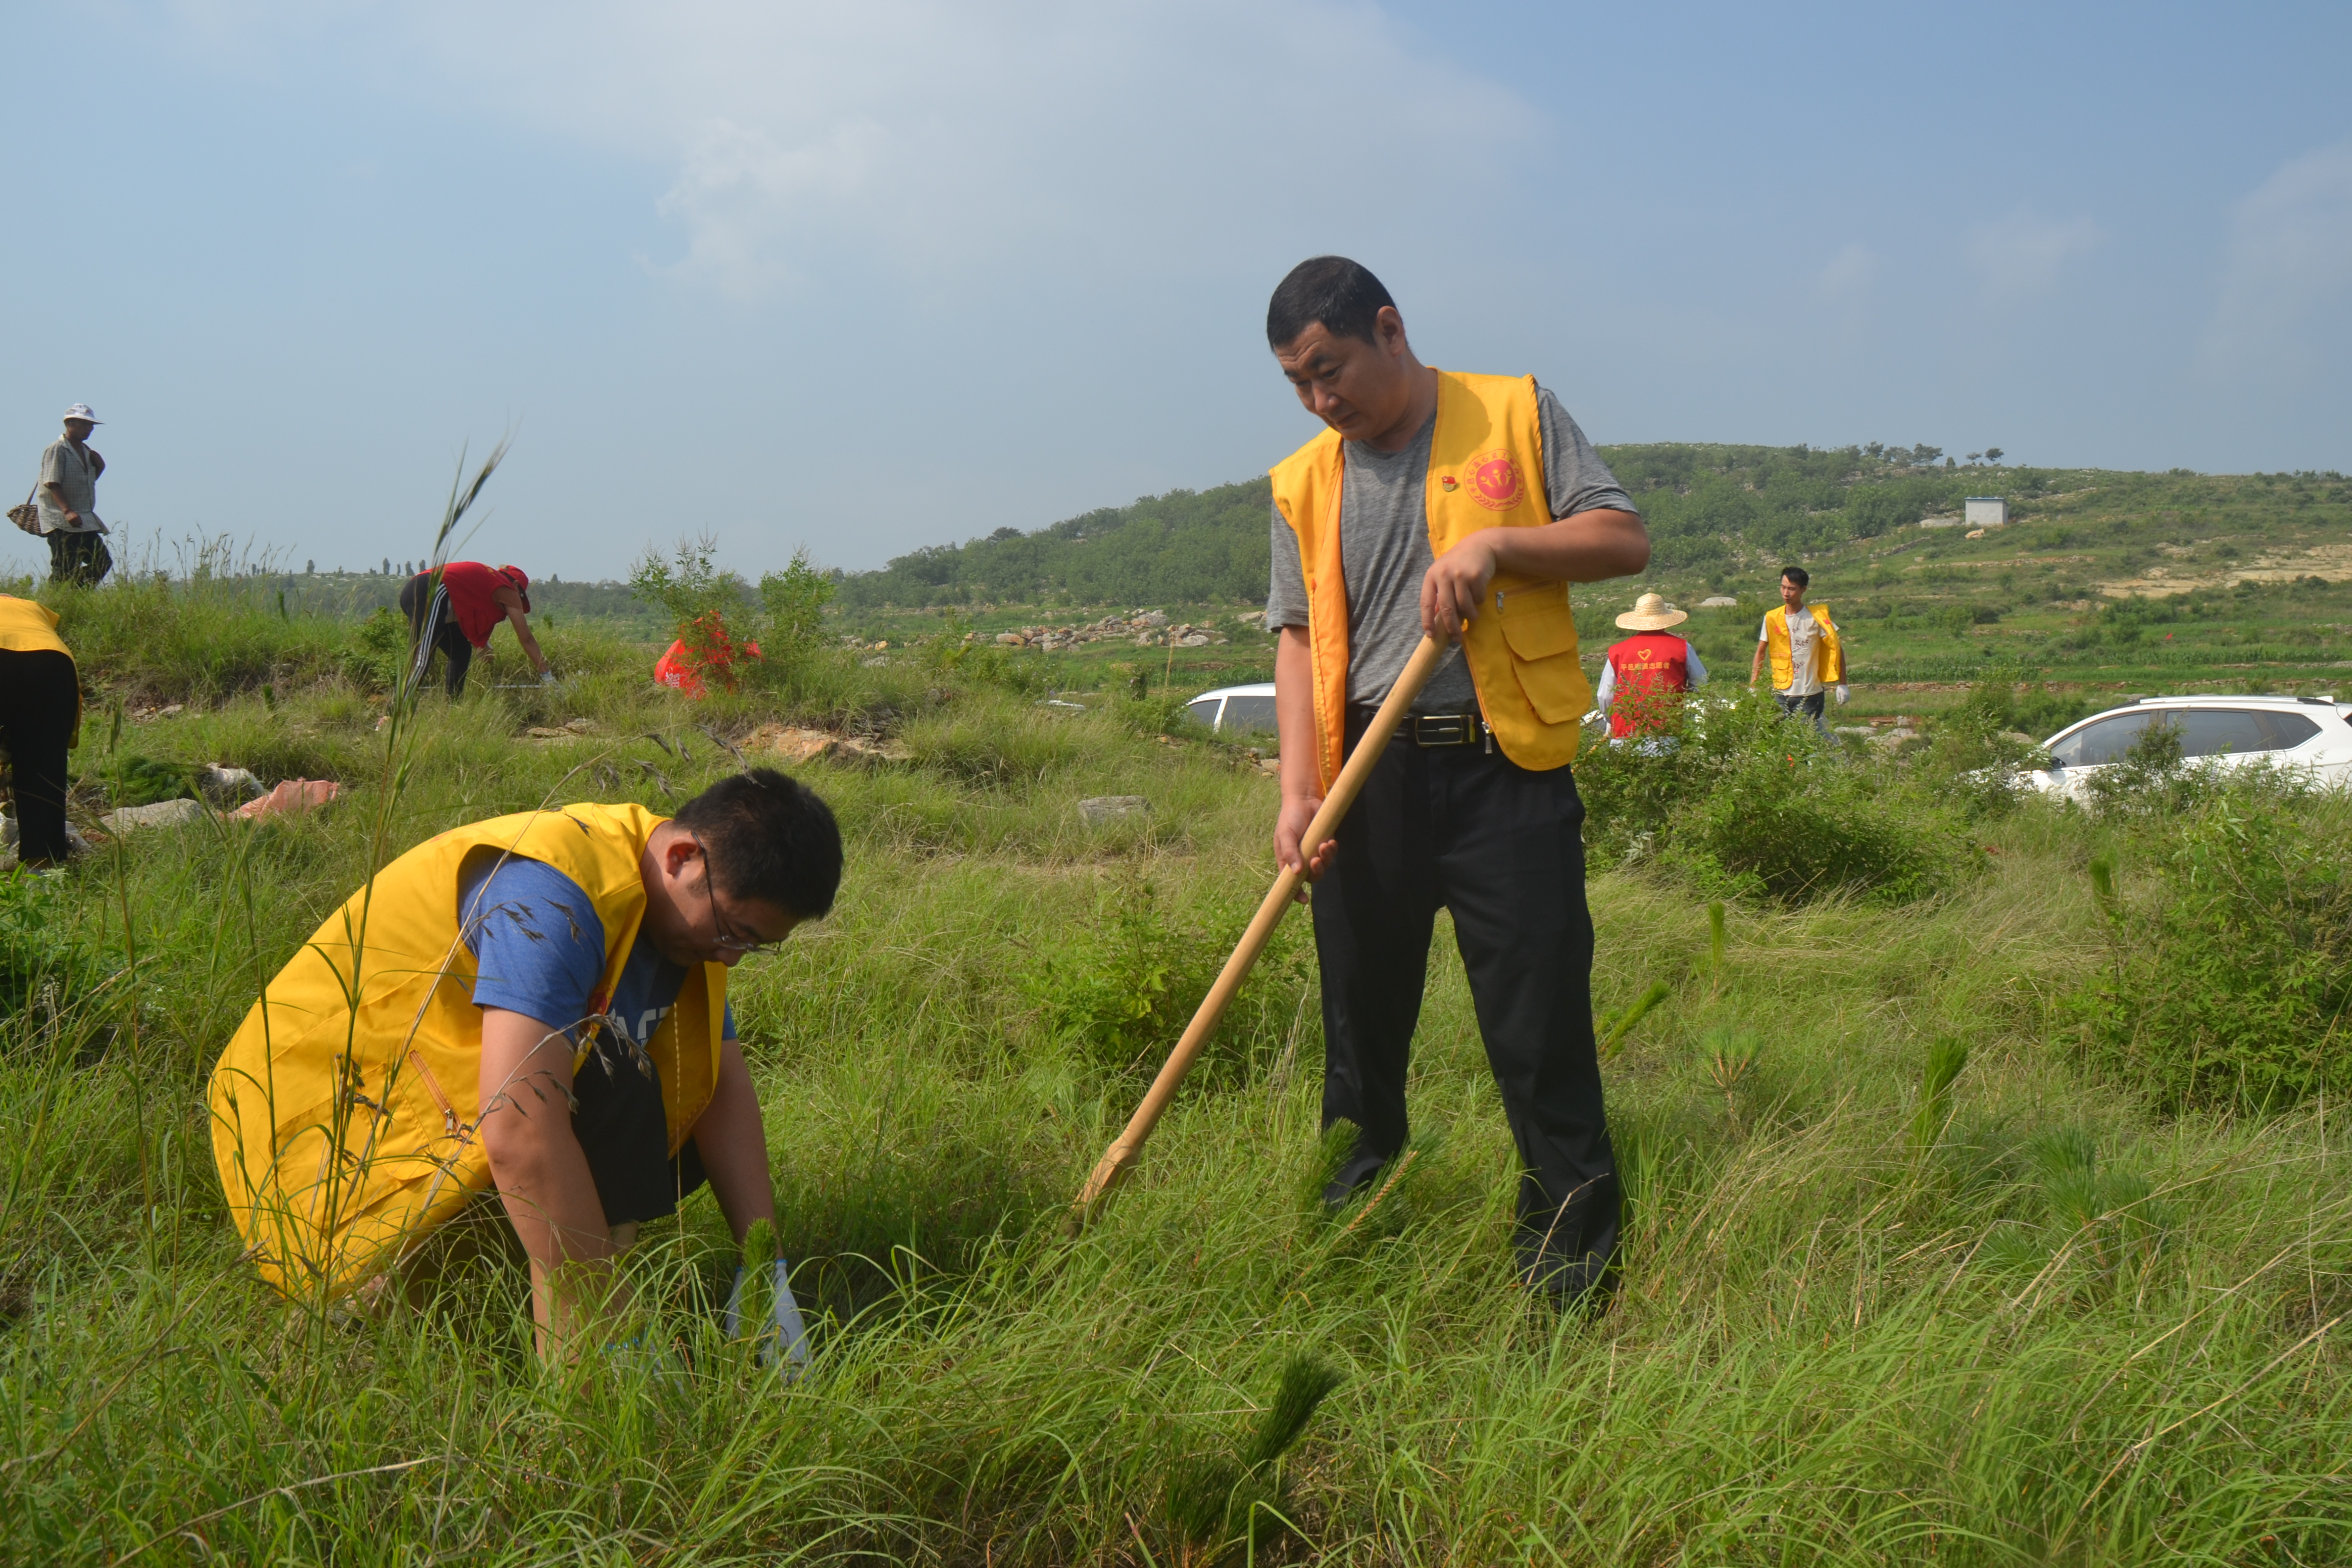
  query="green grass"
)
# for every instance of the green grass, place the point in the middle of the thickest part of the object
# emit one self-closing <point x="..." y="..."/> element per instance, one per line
<point x="2046" y="1321"/>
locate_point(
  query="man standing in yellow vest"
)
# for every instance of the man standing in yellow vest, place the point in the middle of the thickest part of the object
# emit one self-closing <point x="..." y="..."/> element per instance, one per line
<point x="535" y="1005"/>
<point x="1461" y="506"/>
<point x="1802" y="643"/>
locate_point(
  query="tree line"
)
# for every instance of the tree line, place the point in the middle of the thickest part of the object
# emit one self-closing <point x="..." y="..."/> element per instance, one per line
<point x="1199" y="546"/>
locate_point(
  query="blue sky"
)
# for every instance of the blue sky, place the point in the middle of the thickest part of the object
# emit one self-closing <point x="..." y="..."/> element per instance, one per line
<point x="867" y="277"/>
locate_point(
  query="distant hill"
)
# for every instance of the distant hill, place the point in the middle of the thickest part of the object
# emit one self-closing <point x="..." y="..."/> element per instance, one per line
<point x="1712" y="510"/>
<point x="1185" y="547"/>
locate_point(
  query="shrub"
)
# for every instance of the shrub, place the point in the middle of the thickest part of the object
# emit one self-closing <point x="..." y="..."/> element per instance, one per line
<point x="378" y="654"/>
<point x="1001" y="741"/>
<point x="1792" y="830"/>
<point x="697" y="596"/>
<point x="2229" y="977"/>
<point x="1748" y="804"/>
<point x="1123" y="994"/>
<point x="48" y="977"/>
<point x="794" y="600"/>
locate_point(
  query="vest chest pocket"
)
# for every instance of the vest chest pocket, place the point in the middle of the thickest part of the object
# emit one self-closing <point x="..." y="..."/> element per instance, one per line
<point x="1541" y="635"/>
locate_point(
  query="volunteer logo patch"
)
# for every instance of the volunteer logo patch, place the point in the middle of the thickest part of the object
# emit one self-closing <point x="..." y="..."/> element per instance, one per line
<point x="1495" y="481"/>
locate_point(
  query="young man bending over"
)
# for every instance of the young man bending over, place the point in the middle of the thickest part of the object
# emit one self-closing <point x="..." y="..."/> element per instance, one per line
<point x="541" y="1009"/>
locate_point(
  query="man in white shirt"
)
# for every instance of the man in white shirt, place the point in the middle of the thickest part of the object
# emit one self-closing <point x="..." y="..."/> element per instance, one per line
<point x="1807" y="660"/>
<point x="67" y="493"/>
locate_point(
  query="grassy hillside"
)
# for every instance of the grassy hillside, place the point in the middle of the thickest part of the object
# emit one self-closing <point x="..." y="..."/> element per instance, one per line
<point x="2102" y="581"/>
<point x="2059" y="1310"/>
<point x="1181" y="548"/>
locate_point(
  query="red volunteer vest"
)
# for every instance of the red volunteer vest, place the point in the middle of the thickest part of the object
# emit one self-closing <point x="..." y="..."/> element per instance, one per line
<point x="1648" y="665"/>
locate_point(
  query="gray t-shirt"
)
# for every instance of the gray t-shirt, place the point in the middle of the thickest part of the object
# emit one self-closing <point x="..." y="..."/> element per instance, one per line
<point x="75" y="473"/>
<point x="1385" y="554"/>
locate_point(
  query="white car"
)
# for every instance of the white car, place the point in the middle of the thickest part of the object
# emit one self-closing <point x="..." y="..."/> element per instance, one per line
<point x="2312" y="736"/>
<point x="1235" y="710"/>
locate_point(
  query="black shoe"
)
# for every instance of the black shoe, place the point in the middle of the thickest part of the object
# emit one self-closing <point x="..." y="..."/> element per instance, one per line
<point x="1354" y="1177"/>
<point x="1583" y="1285"/>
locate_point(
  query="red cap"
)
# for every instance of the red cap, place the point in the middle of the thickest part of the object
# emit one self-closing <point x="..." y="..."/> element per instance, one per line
<point x="521" y="581"/>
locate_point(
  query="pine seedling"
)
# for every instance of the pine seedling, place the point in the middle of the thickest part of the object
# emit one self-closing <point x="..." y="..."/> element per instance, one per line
<point x="1305" y="1383"/>
<point x="1209" y="1494"/>
<point x="757" y="1307"/>
<point x="1945" y="1057"/>
<point x="2102" y="887"/>
<point x="1715" y="946"/>
<point x="1339" y="1143"/>
<point x="1615" y="1039"/>
<point x="1729" y="1058"/>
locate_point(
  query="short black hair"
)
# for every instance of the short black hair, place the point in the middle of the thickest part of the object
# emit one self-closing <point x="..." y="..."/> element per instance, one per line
<point x="1798" y="575"/>
<point x="1342" y="294"/>
<point x="769" y="837"/>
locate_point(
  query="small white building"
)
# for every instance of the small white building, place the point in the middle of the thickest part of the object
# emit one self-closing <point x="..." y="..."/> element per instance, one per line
<point x="1987" y="512"/>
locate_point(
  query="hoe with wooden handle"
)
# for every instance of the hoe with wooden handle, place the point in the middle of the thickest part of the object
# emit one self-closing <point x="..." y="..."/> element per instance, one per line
<point x="1120" y="1157"/>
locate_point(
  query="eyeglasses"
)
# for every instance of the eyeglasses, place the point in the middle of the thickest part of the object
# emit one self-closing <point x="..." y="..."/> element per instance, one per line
<point x="727" y="939"/>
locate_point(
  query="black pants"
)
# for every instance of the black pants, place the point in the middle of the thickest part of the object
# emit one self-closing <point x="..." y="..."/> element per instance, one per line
<point x="432" y="625"/>
<point x="80" y="558"/>
<point x="1500" y="847"/>
<point x="40" y="700"/>
<point x="624" y="1131"/>
<point x="1813" y="707"/>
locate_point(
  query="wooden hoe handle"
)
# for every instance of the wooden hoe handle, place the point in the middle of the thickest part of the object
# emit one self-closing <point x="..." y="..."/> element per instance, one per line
<point x="1121" y="1156"/>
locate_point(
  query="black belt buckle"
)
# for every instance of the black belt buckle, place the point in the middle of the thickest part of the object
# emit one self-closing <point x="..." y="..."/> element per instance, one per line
<point x="1426" y="730"/>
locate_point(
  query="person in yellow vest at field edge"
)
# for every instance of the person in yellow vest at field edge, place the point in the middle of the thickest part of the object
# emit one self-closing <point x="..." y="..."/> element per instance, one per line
<point x="541" y="1011"/>
<point x="1461" y="506"/>
<point x="40" y="720"/>
<point x="1806" y="661"/>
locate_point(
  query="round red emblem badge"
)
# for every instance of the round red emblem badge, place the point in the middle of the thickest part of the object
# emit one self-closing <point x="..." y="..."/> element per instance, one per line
<point x="1495" y="481"/>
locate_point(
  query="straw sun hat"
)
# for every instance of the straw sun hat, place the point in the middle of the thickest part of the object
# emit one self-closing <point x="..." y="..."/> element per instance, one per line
<point x="1651" y="614"/>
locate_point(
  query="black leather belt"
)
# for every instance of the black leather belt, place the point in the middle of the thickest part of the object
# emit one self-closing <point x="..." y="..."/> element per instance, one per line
<point x="1428" y="730"/>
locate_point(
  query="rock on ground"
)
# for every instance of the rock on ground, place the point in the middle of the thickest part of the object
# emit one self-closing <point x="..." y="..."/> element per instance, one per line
<point x="792" y="744"/>
<point x="162" y="814"/>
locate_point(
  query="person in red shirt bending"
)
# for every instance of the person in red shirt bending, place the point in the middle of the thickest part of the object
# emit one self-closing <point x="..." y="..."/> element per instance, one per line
<point x="457" y="613"/>
<point x="1644" y="676"/>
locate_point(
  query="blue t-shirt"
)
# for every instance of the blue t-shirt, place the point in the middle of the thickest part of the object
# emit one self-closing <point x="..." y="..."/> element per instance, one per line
<point x="539" y="950"/>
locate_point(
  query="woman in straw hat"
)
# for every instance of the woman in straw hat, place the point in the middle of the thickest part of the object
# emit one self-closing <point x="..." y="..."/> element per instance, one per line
<point x="1642" y="672"/>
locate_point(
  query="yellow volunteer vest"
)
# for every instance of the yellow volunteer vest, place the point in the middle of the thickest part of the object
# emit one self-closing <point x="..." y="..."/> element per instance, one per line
<point x="1829" y="658"/>
<point x="1486" y="470"/>
<point x="27" y="626"/>
<point x="345" y="1108"/>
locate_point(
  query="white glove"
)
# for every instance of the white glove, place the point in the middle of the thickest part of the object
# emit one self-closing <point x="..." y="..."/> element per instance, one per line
<point x="546" y="678"/>
<point x="784" y="1330"/>
<point x="1841" y="692"/>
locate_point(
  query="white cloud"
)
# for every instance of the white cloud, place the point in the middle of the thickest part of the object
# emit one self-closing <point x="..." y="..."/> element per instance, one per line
<point x="2289" y="259"/>
<point x="1849" y="276"/>
<point x="2021" y="255"/>
<point x="930" y="136"/>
